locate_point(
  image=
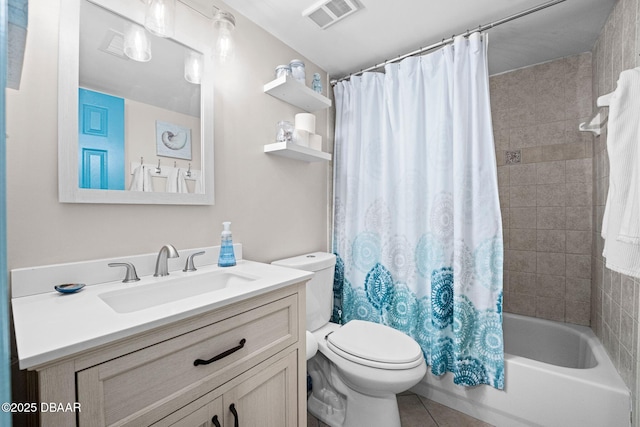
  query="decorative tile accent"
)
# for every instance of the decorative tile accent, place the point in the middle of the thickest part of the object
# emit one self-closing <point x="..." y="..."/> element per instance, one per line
<point x="512" y="157"/>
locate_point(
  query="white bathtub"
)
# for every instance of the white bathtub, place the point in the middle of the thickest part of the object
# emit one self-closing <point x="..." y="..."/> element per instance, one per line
<point x="556" y="374"/>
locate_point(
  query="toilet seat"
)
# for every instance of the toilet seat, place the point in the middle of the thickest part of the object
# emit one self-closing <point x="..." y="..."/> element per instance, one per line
<point x="375" y="345"/>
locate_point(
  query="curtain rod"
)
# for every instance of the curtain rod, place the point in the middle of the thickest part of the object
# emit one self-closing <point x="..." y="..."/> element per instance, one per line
<point x="450" y="39"/>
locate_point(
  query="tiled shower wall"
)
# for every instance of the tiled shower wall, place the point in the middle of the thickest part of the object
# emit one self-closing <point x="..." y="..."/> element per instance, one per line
<point x="614" y="302"/>
<point x="545" y="184"/>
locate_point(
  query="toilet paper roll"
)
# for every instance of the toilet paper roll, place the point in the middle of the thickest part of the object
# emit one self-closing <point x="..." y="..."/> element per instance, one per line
<point x="315" y="142"/>
<point x="306" y="121"/>
<point x="301" y="137"/>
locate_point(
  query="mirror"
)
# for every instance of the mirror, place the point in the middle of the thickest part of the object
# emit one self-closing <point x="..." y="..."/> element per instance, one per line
<point x="117" y="115"/>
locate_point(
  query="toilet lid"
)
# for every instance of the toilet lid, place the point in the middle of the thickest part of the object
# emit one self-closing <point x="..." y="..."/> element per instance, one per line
<point x="375" y="345"/>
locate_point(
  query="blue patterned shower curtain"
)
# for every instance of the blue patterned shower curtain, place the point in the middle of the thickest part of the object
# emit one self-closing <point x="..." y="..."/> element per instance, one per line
<point x="417" y="223"/>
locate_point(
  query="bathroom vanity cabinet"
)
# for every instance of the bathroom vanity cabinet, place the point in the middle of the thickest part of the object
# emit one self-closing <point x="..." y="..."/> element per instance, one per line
<point x="153" y="378"/>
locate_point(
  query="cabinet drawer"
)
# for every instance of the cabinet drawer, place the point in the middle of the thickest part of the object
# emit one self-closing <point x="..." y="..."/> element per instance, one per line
<point x="152" y="382"/>
<point x="201" y="417"/>
<point x="265" y="395"/>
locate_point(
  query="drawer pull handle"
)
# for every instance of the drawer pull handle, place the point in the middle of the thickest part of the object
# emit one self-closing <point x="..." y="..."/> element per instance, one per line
<point x="215" y="421"/>
<point x="221" y="355"/>
<point x="232" y="408"/>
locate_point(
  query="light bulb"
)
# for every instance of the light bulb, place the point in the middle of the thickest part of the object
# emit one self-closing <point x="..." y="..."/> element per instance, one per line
<point x="193" y="67"/>
<point x="137" y="45"/>
<point x="159" y="19"/>
<point x="224" y="22"/>
<point x="224" y="45"/>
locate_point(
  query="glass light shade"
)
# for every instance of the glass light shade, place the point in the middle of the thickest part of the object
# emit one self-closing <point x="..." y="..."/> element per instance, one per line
<point x="160" y="17"/>
<point x="193" y="67"/>
<point x="224" y="22"/>
<point x="137" y="45"/>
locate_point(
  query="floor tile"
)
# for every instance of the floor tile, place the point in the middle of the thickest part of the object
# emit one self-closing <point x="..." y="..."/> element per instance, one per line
<point x="413" y="412"/>
<point x="314" y="422"/>
<point x="418" y="411"/>
<point x="447" y="417"/>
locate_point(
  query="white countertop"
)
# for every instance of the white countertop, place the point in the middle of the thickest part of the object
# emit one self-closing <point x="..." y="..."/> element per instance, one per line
<point x="49" y="326"/>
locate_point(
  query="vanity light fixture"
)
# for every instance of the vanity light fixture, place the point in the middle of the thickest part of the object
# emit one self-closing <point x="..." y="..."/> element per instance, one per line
<point x="224" y="22"/>
<point x="193" y="67"/>
<point x="137" y="45"/>
<point x="160" y="16"/>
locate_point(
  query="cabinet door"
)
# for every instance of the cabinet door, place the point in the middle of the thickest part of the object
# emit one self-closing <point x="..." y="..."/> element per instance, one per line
<point x="205" y="416"/>
<point x="144" y="386"/>
<point x="268" y="399"/>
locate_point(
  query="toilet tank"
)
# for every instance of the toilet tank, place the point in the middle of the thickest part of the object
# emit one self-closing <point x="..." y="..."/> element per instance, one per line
<point x="319" y="288"/>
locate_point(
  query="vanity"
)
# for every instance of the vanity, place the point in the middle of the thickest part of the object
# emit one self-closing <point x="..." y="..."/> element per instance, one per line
<point x="115" y="354"/>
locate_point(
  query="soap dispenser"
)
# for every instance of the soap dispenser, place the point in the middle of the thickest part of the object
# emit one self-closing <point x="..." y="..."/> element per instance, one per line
<point x="227" y="258"/>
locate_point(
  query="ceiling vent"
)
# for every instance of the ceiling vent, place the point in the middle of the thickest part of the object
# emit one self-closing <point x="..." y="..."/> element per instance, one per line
<point x="113" y="43"/>
<point x="326" y="13"/>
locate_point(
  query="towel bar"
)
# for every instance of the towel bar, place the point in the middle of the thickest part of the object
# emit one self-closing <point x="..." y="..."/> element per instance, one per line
<point x="164" y="172"/>
<point x="598" y="119"/>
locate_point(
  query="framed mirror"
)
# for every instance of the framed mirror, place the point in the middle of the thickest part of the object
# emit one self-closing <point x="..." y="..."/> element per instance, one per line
<point x="134" y="131"/>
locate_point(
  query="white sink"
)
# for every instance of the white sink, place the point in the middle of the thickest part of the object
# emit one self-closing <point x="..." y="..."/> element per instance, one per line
<point x="168" y="289"/>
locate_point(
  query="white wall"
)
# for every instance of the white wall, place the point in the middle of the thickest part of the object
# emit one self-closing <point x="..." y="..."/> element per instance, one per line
<point x="278" y="206"/>
<point x="140" y="134"/>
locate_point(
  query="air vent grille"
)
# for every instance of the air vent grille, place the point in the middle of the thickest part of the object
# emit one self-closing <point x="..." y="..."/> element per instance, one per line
<point x="113" y="43"/>
<point x="321" y="18"/>
<point x="327" y="12"/>
<point x="339" y="8"/>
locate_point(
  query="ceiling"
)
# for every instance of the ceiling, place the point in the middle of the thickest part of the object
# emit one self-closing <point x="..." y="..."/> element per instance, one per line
<point x="104" y="67"/>
<point x="383" y="30"/>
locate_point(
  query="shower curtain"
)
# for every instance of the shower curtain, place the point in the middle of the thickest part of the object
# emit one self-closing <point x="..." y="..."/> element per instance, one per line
<point x="417" y="223"/>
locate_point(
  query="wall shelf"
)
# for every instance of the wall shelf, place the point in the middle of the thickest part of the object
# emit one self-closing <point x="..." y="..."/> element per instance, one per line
<point x="295" y="93"/>
<point x="297" y="152"/>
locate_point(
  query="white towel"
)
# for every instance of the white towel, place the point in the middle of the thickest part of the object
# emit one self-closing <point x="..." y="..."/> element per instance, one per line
<point x="198" y="189"/>
<point x="176" y="182"/>
<point x="141" y="179"/>
<point x="621" y="222"/>
<point x="182" y="182"/>
<point x="630" y="227"/>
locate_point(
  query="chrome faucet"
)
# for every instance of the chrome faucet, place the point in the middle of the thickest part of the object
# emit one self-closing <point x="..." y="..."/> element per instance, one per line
<point x="189" y="266"/>
<point x="162" y="267"/>
<point x="131" y="275"/>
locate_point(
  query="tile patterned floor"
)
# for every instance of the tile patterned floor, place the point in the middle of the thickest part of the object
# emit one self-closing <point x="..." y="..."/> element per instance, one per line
<point x="418" y="411"/>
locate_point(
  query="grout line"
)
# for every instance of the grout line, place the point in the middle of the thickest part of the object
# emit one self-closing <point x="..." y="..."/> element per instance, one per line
<point x="427" y="410"/>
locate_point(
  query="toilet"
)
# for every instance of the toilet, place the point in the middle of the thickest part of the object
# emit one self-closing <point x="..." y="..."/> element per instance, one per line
<point x="358" y="368"/>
